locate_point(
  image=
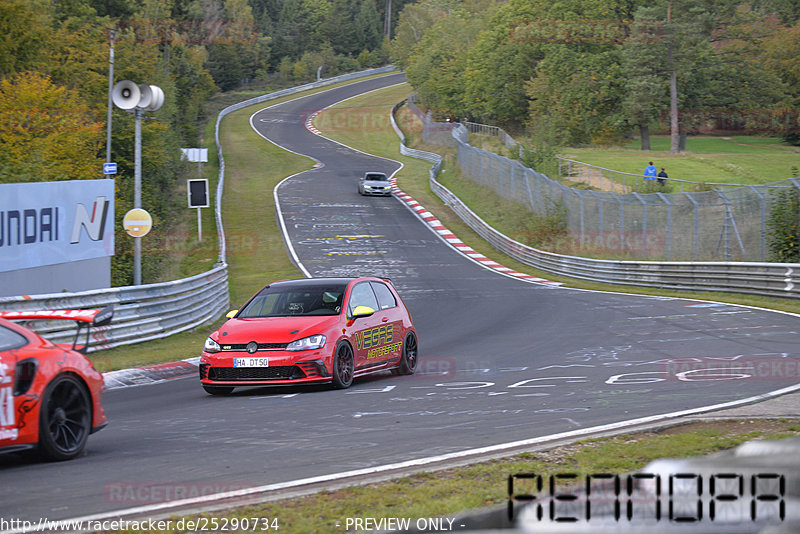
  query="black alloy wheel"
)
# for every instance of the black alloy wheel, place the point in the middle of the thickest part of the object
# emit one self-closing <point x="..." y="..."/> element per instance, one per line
<point x="65" y="419"/>
<point x="408" y="361"/>
<point x="343" y="366"/>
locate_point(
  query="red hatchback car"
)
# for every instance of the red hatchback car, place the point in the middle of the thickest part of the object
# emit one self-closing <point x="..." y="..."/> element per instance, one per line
<point x="49" y="392"/>
<point x="311" y="331"/>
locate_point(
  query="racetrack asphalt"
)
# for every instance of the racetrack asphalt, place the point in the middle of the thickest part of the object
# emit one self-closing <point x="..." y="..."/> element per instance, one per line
<point x="502" y="360"/>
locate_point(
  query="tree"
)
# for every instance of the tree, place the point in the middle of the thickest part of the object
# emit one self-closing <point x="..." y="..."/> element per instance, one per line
<point x="339" y="28"/>
<point x="575" y="94"/>
<point x="781" y="57"/>
<point x="367" y="26"/>
<point x="644" y="67"/>
<point x="498" y="66"/>
<point x="436" y="68"/>
<point x="47" y="132"/>
<point x="415" y="21"/>
<point x="300" y="27"/>
<point x="24" y="35"/>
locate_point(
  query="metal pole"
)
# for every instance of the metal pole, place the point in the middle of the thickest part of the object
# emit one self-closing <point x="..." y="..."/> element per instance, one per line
<point x="696" y="238"/>
<point x="112" y="36"/>
<point x="644" y="222"/>
<point x="580" y="199"/>
<point x="599" y="213"/>
<point x="666" y="201"/>
<point x="621" y="223"/>
<point x="199" y="227"/>
<point x="763" y="221"/>
<point x="137" y="194"/>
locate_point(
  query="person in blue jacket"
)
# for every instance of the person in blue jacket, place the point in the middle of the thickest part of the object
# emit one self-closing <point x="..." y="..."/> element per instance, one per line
<point x="650" y="172"/>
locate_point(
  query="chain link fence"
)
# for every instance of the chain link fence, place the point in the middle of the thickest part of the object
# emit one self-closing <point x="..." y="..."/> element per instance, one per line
<point x="723" y="224"/>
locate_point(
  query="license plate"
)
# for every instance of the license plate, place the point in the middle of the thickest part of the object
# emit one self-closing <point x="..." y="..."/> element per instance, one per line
<point x="251" y="362"/>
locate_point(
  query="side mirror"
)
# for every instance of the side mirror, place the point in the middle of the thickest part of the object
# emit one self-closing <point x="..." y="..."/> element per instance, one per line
<point x="231" y="313"/>
<point x="362" y="311"/>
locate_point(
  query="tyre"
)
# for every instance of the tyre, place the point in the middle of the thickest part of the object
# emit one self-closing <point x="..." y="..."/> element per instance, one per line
<point x="343" y="366"/>
<point x="408" y="361"/>
<point x="65" y="419"/>
<point x="218" y="390"/>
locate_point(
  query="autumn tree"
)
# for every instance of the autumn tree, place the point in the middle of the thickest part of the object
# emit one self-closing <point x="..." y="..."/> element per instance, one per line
<point x="24" y="35"/>
<point x="47" y="132"/>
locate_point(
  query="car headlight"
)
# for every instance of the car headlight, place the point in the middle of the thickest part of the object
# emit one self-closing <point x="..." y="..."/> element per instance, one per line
<point x="211" y="345"/>
<point x="307" y="343"/>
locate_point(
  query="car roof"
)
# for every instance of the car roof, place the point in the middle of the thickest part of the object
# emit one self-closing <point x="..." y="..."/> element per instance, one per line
<point x="300" y="282"/>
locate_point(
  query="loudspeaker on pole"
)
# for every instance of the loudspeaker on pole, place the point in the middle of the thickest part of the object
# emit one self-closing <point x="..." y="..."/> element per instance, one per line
<point x="126" y="94"/>
<point x="145" y="96"/>
<point x="156" y="99"/>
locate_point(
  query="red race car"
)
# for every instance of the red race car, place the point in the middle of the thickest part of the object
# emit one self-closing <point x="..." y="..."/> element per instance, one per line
<point x="49" y="392"/>
<point x="311" y="331"/>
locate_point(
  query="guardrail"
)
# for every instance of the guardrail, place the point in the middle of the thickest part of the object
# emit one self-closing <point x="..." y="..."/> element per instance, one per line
<point x="765" y="279"/>
<point x="155" y="311"/>
<point x="141" y="313"/>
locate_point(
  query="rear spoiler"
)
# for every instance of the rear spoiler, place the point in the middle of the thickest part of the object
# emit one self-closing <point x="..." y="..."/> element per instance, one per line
<point x="96" y="317"/>
<point x="87" y="318"/>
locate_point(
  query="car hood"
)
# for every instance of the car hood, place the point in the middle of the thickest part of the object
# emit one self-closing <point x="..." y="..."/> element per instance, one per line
<point x="377" y="183"/>
<point x="274" y="329"/>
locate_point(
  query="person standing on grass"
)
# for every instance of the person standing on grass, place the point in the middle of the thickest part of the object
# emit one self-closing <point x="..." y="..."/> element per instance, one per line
<point x="650" y="172"/>
<point x="662" y="177"/>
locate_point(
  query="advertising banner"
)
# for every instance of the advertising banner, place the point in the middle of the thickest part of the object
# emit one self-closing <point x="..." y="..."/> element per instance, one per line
<point x="47" y="223"/>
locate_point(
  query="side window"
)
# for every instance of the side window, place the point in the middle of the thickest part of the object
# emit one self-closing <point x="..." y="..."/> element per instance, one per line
<point x="10" y="339"/>
<point x="362" y="295"/>
<point x="385" y="298"/>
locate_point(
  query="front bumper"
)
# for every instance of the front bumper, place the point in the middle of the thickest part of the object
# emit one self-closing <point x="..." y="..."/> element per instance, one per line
<point x="378" y="192"/>
<point x="284" y="368"/>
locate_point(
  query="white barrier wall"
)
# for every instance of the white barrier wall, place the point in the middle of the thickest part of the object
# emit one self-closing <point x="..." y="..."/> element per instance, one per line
<point x="56" y="236"/>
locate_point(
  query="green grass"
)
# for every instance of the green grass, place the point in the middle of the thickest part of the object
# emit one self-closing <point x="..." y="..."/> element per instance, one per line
<point x="730" y="160"/>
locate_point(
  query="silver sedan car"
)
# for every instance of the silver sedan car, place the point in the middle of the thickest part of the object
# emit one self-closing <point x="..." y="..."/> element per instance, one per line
<point x="374" y="183"/>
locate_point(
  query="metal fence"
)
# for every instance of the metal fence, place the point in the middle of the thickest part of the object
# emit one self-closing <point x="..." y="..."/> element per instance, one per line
<point x="626" y="182"/>
<point x="154" y="311"/>
<point x="717" y="225"/>
<point x="757" y="278"/>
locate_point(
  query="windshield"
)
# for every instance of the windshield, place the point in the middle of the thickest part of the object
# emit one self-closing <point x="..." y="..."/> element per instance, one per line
<point x="376" y="177"/>
<point x="294" y="300"/>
